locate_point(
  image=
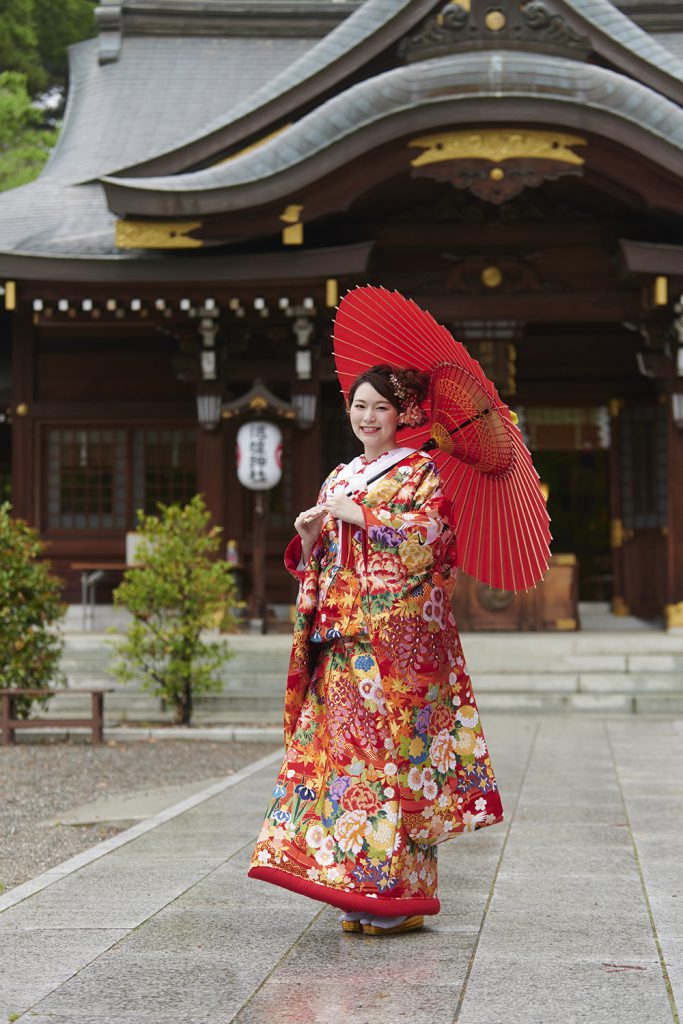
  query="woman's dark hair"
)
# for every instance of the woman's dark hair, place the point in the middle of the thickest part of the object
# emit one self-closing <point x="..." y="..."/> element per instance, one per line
<point x="412" y="384"/>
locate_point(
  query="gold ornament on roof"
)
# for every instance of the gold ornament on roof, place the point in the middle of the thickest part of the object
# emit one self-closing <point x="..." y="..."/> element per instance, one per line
<point x="492" y="277"/>
<point x="497" y="145"/>
<point x="157" y="234"/>
<point x="293" y="234"/>
<point x="495" y="21"/>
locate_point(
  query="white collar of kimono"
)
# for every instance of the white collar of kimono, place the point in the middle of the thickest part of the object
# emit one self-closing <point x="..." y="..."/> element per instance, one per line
<point x="355" y="475"/>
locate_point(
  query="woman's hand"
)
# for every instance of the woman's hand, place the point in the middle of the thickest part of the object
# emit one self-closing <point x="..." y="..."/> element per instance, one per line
<point x="308" y="524"/>
<point x="342" y="507"/>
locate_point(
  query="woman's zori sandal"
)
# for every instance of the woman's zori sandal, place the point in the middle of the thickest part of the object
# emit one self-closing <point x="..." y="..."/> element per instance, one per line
<point x="359" y="922"/>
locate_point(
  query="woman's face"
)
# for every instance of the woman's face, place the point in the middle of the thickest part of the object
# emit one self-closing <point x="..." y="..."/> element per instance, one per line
<point x="373" y="420"/>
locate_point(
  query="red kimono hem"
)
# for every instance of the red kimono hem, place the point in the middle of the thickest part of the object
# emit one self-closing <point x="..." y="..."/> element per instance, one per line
<point x="378" y="906"/>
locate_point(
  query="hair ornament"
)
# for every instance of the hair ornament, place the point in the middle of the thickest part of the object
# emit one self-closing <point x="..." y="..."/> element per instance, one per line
<point x="412" y="415"/>
<point x="400" y="390"/>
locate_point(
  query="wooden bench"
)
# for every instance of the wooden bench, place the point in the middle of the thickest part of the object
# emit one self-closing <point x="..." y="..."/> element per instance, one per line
<point x="8" y="721"/>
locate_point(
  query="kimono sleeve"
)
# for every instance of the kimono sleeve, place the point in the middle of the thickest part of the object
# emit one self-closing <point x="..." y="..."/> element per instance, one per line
<point x="409" y="533"/>
<point x="293" y="559"/>
<point x="294" y="550"/>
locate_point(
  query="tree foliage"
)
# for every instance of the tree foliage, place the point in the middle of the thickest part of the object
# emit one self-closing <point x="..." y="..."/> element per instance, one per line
<point x="177" y="592"/>
<point x="35" y="34"/>
<point x="25" y="142"/>
<point x="30" y="607"/>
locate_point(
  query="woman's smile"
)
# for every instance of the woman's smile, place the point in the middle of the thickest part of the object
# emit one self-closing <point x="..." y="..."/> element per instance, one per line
<point x="373" y="421"/>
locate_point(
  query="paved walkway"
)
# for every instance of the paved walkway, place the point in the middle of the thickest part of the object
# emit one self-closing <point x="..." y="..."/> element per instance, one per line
<point x="570" y="911"/>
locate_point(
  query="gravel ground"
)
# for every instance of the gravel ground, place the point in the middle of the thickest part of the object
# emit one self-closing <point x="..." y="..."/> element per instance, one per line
<point x="38" y="781"/>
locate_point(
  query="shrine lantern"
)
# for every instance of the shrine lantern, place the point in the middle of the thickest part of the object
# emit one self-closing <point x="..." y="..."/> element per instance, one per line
<point x="259" y="455"/>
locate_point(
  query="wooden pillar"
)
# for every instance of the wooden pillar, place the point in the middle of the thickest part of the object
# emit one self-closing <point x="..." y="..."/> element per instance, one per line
<point x="259" y="532"/>
<point x="306" y="449"/>
<point x="211" y="471"/>
<point x="235" y="526"/>
<point x="674" y="580"/>
<point x="26" y="474"/>
<point x="619" y="605"/>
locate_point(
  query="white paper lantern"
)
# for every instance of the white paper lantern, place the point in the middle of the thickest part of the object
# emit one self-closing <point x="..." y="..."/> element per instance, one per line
<point x="259" y="455"/>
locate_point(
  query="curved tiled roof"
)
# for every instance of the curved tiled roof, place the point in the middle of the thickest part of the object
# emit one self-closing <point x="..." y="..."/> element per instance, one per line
<point x="673" y="41"/>
<point x="165" y="90"/>
<point x="619" y="34"/>
<point x="612" y="34"/>
<point x="367" y="31"/>
<point x="49" y="217"/>
<point x="383" y="108"/>
<point x="159" y="90"/>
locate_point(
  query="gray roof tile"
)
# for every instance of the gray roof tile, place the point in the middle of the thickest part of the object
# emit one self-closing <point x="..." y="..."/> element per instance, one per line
<point x="604" y="16"/>
<point x="160" y="90"/>
<point x="363" y="23"/>
<point x="673" y="41"/>
<point x="484" y="73"/>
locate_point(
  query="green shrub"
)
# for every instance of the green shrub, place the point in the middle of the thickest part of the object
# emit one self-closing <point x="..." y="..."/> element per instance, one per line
<point x="30" y="606"/>
<point x="176" y="592"/>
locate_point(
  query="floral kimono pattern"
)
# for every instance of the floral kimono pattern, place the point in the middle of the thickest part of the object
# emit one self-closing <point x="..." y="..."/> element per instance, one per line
<point x="386" y="756"/>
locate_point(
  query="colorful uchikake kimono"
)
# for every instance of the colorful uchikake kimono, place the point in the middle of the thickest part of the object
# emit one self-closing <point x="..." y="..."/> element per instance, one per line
<point x="385" y="756"/>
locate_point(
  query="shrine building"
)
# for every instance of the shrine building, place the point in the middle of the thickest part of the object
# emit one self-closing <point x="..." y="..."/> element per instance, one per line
<point x="227" y="170"/>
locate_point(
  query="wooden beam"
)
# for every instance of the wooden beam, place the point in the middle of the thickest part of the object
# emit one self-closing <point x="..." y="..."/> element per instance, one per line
<point x="649" y="258"/>
<point x="206" y="271"/>
<point x="574" y="307"/>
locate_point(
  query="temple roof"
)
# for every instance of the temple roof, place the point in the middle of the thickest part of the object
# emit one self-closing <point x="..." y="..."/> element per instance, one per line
<point x="385" y="107"/>
<point x="162" y="124"/>
<point x="160" y="90"/>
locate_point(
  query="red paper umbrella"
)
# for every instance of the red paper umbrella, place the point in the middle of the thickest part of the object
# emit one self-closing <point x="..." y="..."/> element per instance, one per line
<point x="499" y="512"/>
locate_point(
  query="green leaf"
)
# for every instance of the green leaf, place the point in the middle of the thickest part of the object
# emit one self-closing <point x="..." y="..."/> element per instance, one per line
<point x="179" y="591"/>
<point x="30" y="610"/>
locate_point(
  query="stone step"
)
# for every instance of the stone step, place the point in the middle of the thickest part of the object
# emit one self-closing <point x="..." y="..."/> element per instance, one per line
<point x="245" y="686"/>
<point x="632" y="682"/>
<point x="626" y="671"/>
<point x="670" y="705"/>
<point x="485" y="653"/>
<point x="583" y="682"/>
<point x="221" y="709"/>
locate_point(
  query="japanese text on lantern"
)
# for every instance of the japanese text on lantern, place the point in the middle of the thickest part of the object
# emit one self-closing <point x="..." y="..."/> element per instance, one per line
<point x="259" y="455"/>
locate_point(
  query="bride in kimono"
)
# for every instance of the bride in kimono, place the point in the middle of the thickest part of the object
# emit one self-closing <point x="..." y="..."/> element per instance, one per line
<point x="385" y="753"/>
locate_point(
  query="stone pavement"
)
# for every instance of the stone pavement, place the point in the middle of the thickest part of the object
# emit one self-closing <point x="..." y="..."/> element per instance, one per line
<point x="570" y="911"/>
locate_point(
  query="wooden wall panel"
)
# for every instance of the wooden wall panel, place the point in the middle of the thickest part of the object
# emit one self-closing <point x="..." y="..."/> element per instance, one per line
<point x="108" y="375"/>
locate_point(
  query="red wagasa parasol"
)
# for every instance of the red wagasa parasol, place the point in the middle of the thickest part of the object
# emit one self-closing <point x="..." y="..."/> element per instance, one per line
<point x="499" y="512"/>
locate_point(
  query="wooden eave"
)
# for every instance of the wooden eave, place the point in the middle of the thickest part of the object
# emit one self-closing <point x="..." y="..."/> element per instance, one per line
<point x="274" y="18"/>
<point x="300" y="264"/>
<point x="651" y="258"/>
<point x="331" y="178"/>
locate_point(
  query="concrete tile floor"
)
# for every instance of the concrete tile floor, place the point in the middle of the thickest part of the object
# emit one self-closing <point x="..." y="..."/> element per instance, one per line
<point x="570" y="911"/>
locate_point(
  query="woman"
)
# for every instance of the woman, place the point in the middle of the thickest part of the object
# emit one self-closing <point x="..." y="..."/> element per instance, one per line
<point x="385" y="751"/>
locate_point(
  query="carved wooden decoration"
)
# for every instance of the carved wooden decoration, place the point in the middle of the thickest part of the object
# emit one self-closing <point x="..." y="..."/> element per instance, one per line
<point x="469" y="275"/>
<point x="497" y="165"/>
<point x="504" y="24"/>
